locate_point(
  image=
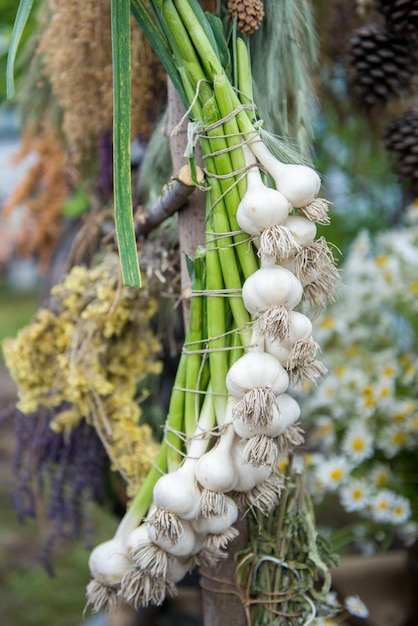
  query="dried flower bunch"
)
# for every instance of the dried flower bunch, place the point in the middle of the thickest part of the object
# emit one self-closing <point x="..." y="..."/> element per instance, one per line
<point x="363" y="417"/>
<point x="78" y="63"/>
<point x="84" y="356"/>
<point x="288" y="549"/>
<point x="56" y="478"/>
<point x="42" y="192"/>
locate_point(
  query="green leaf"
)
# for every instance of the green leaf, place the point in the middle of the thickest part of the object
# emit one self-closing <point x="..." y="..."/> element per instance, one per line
<point x="23" y="12"/>
<point x="121" y="58"/>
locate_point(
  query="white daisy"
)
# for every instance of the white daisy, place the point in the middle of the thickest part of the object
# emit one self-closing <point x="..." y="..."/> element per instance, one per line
<point x="356" y="607"/>
<point x="381" y="505"/>
<point x="355" y="496"/>
<point x="332" y="472"/>
<point x="358" y="442"/>
<point x="324" y="432"/>
<point x="380" y="475"/>
<point x="331" y="599"/>
<point x="401" y="510"/>
<point x="392" y="439"/>
<point x="367" y="400"/>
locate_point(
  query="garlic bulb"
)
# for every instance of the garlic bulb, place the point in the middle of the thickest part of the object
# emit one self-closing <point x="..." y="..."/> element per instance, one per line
<point x="178" y="493"/>
<point x="248" y="475"/>
<point x="109" y="561"/>
<point x="216" y="524"/>
<point x="261" y="206"/>
<point x="256" y="369"/>
<point x="138" y="537"/>
<point x="271" y="286"/>
<point x="285" y="412"/>
<point x="315" y="267"/>
<point x="300" y="327"/>
<point x="278" y="349"/>
<point x="215" y="470"/>
<point x="177" y="569"/>
<point x="307" y="276"/>
<point x="271" y="292"/>
<point x="182" y="547"/>
<point x="303" y="229"/>
<point x="289" y="412"/>
<point x="299" y="183"/>
<point x="145" y="554"/>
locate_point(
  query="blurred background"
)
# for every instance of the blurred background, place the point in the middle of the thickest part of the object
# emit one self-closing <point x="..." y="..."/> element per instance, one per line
<point x="365" y="147"/>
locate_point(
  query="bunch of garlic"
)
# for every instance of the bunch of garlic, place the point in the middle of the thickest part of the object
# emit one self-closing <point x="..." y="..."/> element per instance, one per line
<point x="195" y="507"/>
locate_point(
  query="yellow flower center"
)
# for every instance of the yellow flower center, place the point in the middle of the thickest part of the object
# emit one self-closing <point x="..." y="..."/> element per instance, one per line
<point x="382" y="479"/>
<point x="337" y="474"/>
<point x="358" y="444"/>
<point x="384" y="392"/>
<point x="369" y="402"/>
<point x="399" y="438"/>
<point x="381" y="260"/>
<point x="328" y="323"/>
<point x="414" y="286"/>
<point x="341" y="370"/>
<point x="388" y="371"/>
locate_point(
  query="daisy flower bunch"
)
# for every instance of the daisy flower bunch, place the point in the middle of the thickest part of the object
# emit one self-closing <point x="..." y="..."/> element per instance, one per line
<point x="363" y="416"/>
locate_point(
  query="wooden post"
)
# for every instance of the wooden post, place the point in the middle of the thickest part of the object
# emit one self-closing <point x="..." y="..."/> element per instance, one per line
<point x="222" y="602"/>
<point x="192" y="216"/>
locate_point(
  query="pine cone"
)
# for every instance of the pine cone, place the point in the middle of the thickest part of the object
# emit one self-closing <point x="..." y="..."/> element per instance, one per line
<point x="401" y="141"/>
<point x="381" y="66"/>
<point x="250" y="14"/>
<point x="401" y="16"/>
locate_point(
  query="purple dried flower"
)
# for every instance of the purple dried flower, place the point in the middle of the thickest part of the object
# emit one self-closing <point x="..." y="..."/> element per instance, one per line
<point x="68" y="470"/>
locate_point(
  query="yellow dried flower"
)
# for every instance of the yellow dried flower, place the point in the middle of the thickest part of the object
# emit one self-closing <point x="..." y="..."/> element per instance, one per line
<point x="85" y="357"/>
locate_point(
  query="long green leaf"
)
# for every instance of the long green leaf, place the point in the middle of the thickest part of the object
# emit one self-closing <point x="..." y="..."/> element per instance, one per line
<point x="23" y="12"/>
<point x="121" y="59"/>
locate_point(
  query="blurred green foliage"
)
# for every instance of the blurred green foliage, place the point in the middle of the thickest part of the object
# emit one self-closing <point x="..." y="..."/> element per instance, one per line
<point x="16" y="310"/>
<point x="28" y="595"/>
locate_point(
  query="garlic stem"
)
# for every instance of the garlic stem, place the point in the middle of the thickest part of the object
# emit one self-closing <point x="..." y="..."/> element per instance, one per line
<point x="245" y="86"/>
